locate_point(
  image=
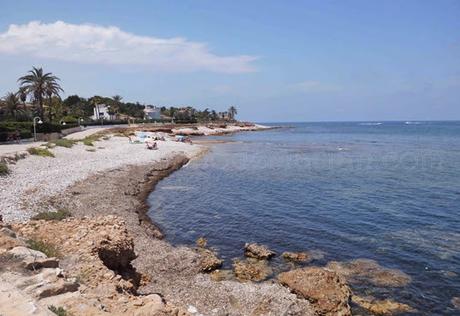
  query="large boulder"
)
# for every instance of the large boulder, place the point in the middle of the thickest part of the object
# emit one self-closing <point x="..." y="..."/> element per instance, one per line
<point x="257" y="251"/>
<point x="325" y="289"/>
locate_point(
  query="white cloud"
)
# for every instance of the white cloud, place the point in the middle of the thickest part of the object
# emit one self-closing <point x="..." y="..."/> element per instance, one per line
<point x="94" y="44"/>
<point x="312" y="86"/>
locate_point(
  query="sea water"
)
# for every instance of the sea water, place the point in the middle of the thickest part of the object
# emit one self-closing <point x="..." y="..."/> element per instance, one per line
<point x="387" y="191"/>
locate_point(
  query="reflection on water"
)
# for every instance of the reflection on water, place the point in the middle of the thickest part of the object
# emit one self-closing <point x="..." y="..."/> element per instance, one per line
<point x="387" y="192"/>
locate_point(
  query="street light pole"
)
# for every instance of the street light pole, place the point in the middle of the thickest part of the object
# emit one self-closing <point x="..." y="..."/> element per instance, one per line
<point x="35" y="129"/>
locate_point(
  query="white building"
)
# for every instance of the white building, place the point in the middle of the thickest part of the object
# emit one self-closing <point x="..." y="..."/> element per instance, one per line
<point x="152" y="112"/>
<point x="100" y="111"/>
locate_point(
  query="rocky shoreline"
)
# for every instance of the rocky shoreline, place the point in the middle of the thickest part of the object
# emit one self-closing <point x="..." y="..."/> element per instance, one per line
<point x="112" y="250"/>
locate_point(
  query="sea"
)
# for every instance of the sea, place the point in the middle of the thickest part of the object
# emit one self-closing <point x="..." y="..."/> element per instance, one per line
<point x="385" y="191"/>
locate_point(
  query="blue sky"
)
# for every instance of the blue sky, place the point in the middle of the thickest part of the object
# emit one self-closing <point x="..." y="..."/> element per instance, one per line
<point x="273" y="60"/>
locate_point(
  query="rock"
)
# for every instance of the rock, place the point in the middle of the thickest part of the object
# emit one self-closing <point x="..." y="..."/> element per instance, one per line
<point x="297" y="256"/>
<point x="7" y="232"/>
<point x="456" y="302"/>
<point x="35" y="264"/>
<point x="251" y="270"/>
<point x="8" y="242"/>
<point x="209" y="261"/>
<point x="59" y="287"/>
<point x="257" y="251"/>
<point x="25" y="253"/>
<point x="382" y="307"/>
<point x="150" y="305"/>
<point x="325" y="289"/>
<point x="369" y="271"/>
<point x="222" y="275"/>
<point x="201" y="242"/>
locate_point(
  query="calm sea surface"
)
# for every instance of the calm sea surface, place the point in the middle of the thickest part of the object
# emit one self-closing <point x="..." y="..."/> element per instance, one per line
<point x="386" y="191"/>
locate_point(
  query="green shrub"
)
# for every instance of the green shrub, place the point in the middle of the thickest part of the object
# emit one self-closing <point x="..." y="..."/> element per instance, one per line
<point x="40" y="245"/>
<point x="4" y="170"/>
<point x="58" y="215"/>
<point x="63" y="142"/>
<point x="38" y="151"/>
<point x="60" y="311"/>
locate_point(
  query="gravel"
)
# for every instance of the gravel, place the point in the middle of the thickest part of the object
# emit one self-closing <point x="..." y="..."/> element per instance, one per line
<point x="35" y="178"/>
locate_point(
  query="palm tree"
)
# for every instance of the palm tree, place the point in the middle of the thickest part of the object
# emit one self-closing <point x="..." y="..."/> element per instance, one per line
<point x="22" y="95"/>
<point x="39" y="85"/>
<point x="232" y="112"/>
<point x="115" y="107"/>
<point x="12" y="104"/>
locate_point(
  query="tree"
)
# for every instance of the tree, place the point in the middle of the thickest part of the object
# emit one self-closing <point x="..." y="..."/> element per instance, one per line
<point x="232" y="112"/>
<point x="38" y="85"/>
<point x="12" y="104"/>
<point x="115" y="105"/>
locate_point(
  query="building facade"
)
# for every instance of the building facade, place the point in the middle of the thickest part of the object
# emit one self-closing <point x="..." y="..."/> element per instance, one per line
<point x="100" y="112"/>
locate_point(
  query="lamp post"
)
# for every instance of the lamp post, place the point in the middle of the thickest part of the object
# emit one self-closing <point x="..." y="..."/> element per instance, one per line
<point x="35" y="123"/>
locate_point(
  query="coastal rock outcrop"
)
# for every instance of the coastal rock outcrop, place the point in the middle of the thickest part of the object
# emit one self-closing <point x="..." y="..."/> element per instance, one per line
<point x="297" y="256"/>
<point x="325" y="289"/>
<point x="251" y="270"/>
<point x="456" y="302"/>
<point x="382" y="307"/>
<point x="369" y="271"/>
<point x="209" y="260"/>
<point x="257" y="251"/>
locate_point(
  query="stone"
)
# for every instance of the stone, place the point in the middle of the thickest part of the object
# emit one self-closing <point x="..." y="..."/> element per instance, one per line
<point x="369" y="271"/>
<point x="26" y="253"/>
<point x="35" y="264"/>
<point x="151" y="305"/>
<point x="251" y="270"/>
<point x="7" y="242"/>
<point x="7" y="232"/>
<point x="456" y="302"/>
<point x="382" y="307"/>
<point x="201" y="242"/>
<point x="324" y="289"/>
<point x="59" y="287"/>
<point x="209" y="261"/>
<point x="297" y="256"/>
<point x="257" y="251"/>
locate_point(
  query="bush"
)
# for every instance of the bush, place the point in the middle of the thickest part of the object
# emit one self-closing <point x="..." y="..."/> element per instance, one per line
<point x="59" y="215"/>
<point x="4" y="170"/>
<point x="63" y="142"/>
<point x="38" y="151"/>
<point x="40" y="245"/>
<point x="60" y="311"/>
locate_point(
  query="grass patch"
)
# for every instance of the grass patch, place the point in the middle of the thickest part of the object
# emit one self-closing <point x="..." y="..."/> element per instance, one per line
<point x="38" y="151"/>
<point x="60" y="311"/>
<point x="48" y="249"/>
<point x="59" y="215"/>
<point x="4" y="170"/>
<point x="88" y="142"/>
<point x="63" y="142"/>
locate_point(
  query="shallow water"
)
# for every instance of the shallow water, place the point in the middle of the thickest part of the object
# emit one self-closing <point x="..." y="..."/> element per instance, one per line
<point x="388" y="192"/>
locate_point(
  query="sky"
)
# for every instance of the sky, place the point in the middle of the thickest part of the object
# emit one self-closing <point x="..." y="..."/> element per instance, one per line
<point x="275" y="61"/>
